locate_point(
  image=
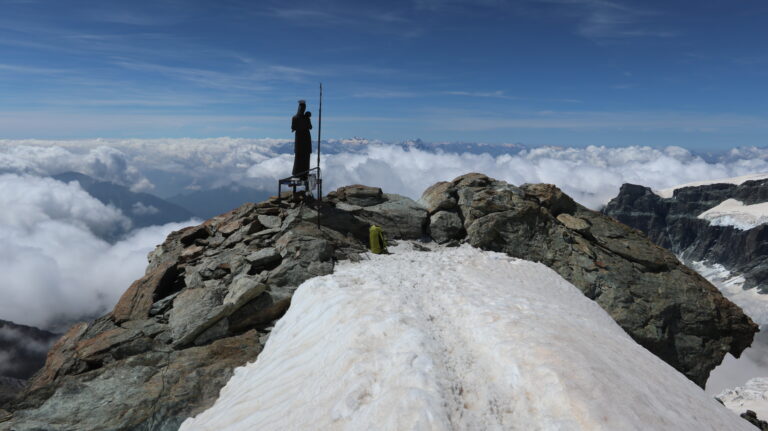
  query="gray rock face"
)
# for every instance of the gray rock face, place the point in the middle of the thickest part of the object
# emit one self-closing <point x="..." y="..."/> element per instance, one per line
<point x="662" y="304"/>
<point x="439" y="197"/>
<point x="399" y="216"/>
<point x="445" y="226"/>
<point x="672" y="223"/>
<point x="362" y="196"/>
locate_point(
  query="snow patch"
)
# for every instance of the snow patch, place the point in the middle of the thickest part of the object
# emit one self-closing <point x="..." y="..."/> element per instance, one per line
<point x="731" y="212"/>
<point x="753" y="362"/>
<point x="668" y="193"/>
<point x="754" y="304"/>
<point x="752" y="396"/>
<point x="454" y="339"/>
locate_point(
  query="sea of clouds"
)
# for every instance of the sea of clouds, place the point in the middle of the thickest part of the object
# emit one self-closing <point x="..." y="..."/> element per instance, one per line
<point x="56" y="269"/>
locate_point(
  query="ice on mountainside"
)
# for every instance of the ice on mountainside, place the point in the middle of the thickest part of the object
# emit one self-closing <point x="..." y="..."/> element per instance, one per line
<point x="455" y="339"/>
<point x="754" y="303"/>
<point x="734" y="213"/>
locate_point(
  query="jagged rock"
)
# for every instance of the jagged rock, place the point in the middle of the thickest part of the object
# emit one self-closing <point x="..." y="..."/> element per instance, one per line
<point x="663" y="305"/>
<point x="551" y="198"/>
<point x="162" y="305"/>
<point x="263" y="258"/>
<point x="672" y="223"/>
<point x="153" y="391"/>
<point x="472" y="179"/>
<point x="270" y="222"/>
<point x="445" y="226"/>
<point x="61" y="358"/>
<point x="573" y="223"/>
<point x="399" y="216"/>
<point x="361" y="196"/>
<point x="194" y="311"/>
<point x="159" y="282"/>
<point x="439" y="197"/>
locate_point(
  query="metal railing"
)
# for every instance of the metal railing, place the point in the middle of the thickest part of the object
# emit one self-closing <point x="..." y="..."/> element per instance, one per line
<point x="302" y="179"/>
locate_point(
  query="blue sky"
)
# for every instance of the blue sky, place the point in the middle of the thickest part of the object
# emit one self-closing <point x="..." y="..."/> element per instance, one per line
<point x="537" y="72"/>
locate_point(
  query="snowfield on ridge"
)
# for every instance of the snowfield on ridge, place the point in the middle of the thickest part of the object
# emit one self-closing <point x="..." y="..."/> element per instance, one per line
<point x="455" y="339"/>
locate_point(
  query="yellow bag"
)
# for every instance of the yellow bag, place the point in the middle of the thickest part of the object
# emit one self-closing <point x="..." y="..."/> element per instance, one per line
<point x="378" y="243"/>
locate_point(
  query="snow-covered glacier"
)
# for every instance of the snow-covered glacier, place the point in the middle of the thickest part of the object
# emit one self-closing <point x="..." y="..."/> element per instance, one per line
<point x="455" y="339"/>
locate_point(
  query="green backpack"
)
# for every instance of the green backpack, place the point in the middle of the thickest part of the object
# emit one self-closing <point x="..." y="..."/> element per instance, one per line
<point x="378" y="243"/>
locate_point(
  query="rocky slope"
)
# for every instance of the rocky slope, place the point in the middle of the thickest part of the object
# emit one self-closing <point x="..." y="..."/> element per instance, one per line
<point x="673" y="223"/>
<point x="211" y="293"/>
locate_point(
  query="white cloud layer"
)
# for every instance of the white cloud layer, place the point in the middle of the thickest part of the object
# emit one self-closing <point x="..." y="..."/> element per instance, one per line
<point x="101" y="162"/>
<point x="55" y="268"/>
<point x="591" y="175"/>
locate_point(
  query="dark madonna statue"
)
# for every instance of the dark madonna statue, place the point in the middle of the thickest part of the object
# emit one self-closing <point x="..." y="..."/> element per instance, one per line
<point x="301" y="125"/>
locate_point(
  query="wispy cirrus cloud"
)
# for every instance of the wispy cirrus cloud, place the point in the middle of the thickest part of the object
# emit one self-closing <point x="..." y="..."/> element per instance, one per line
<point x="359" y="16"/>
<point x="597" y="120"/>
<point x="25" y="69"/>
<point x="498" y="94"/>
<point x="386" y="94"/>
<point x="250" y="79"/>
<point x="308" y="16"/>
<point x="609" y="19"/>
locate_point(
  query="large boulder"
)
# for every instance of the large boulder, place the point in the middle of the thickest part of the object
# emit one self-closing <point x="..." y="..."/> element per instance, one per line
<point x="399" y="216"/>
<point x="439" y="197"/>
<point x="665" y="306"/>
<point x="445" y="226"/>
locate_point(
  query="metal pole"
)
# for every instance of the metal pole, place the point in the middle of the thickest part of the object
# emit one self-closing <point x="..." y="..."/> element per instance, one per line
<point x="319" y="129"/>
<point x="319" y="175"/>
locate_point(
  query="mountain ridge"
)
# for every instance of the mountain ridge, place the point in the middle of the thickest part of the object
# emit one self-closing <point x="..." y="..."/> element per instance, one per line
<point x="674" y="223"/>
<point x="143" y="209"/>
<point x="212" y="292"/>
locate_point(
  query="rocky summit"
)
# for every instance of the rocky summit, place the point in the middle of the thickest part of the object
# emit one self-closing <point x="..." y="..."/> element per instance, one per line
<point x="665" y="306"/>
<point x="673" y="223"/>
<point x="211" y="293"/>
